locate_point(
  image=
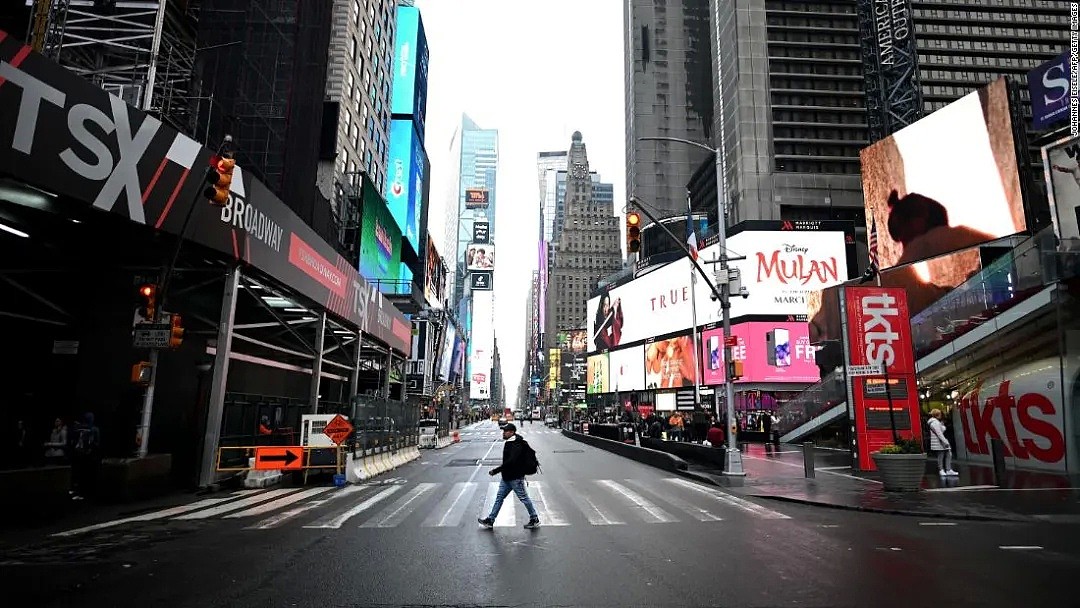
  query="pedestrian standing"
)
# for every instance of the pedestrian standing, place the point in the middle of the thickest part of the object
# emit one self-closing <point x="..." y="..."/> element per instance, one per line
<point x="939" y="445"/>
<point x="56" y="448"/>
<point x="85" y="457"/>
<point x="518" y="460"/>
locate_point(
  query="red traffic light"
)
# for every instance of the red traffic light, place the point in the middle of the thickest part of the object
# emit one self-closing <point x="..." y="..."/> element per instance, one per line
<point x="146" y="291"/>
<point x="219" y="177"/>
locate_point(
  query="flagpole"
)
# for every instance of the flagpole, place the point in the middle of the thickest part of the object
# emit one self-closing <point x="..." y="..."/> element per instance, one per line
<point x="692" y="240"/>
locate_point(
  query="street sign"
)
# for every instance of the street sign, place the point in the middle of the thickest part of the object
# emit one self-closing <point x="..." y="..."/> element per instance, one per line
<point x="732" y="341"/>
<point x="338" y="429"/>
<point x="152" y="335"/>
<point x="279" y="458"/>
<point x="864" y="370"/>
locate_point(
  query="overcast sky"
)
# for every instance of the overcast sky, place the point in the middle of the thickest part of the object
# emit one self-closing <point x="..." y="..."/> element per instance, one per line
<point x="537" y="72"/>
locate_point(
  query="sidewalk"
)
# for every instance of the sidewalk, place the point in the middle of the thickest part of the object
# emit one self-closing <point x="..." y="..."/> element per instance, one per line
<point x="777" y="474"/>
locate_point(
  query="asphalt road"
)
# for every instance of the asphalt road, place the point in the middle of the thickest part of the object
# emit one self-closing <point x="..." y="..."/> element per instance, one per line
<point x="614" y="533"/>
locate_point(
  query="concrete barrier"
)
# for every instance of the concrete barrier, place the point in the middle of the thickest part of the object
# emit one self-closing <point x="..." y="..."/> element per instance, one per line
<point x="386" y="463"/>
<point x="395" y="459"/>
<point x="260" y="479"/>
<point x="687" y="451"/>
<point x="354" y="470"/>
<point x="656" y="458"/>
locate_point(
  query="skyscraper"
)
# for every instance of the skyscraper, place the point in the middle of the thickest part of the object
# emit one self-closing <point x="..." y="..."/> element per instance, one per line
<point x="548" y="165"/>
<point x="585" y="250"/>
<point x="669" y="92"/>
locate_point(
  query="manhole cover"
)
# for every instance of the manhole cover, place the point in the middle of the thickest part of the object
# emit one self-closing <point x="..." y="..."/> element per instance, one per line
<point x="568" y="451"/>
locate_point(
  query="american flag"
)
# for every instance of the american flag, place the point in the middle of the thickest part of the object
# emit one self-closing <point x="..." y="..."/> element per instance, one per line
<point x="691" y="237"/>
<point x="873" y="243"/>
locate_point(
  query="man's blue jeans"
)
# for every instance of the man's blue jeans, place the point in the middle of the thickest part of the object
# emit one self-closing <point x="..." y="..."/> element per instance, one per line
<point x="518" y="486"/>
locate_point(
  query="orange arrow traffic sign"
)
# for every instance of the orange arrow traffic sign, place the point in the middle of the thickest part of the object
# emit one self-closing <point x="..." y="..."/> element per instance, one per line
<point x="278" y="458"/>
<point x="338" y="429"/>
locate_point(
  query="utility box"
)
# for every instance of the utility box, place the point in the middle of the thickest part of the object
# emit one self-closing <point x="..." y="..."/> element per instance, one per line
<point x="311" y="430"/>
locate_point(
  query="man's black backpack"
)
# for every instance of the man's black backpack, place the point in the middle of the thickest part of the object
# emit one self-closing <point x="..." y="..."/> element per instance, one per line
<point x="529" y="462"/>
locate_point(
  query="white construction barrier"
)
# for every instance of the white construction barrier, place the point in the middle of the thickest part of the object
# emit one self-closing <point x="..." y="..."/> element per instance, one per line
<point x="260" y="479"/>
<point x="355" y="471"/>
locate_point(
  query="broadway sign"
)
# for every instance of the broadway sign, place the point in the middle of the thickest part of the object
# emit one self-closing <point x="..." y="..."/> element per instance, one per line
<point x="64" y="135"/>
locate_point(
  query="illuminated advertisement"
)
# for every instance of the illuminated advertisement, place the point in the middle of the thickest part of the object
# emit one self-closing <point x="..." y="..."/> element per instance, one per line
<point x="476" y="198"/>
<point x="1061" y="162"/>
<point x="914" y="200"/>
<point x="447" y="356"/>
<point x="380" y="238"/>
<point x="669" y="363"/>
<point x="782" y="268"/>
<point x="479" y="256"/>
<point x="554" y="366"/>
<point x="482" y="345"/>
<point x="434" y="276"/>
<point x="597" y="374"/>
<point x="574" y="341"/>
<point x="770" y="352"/>
<point x="410" y="76"/>
<point x="404" y="186"/>
<point x="626" y="369"/>
<point x="1048" y="86"/>
<point x="878" y="332"/>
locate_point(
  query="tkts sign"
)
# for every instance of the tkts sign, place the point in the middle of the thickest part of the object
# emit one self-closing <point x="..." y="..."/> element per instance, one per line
<point x="61" y="133"/>
<point x="878" y="332"/>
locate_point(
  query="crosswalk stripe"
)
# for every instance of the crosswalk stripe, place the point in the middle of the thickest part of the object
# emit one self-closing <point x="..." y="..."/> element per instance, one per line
<point x="237" y="505"/>
<point x="728" y="499"/>
<point x="199" y="504"/>
<point x="397" y="512"/>
<point x="450" y="510"/>
<point x="279" y="518"/>
<point x="549" y="515"/>
<point x="274" y="505"/>
<point x="592" y="512"/>
<point x="505" y="518"/>
<point x="695" y="511"/>
<point x="646" y="508"/>
<point x="336" y="521"/>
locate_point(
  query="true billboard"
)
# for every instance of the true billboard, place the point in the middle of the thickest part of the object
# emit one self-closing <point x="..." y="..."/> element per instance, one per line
<point x="380" y="238"/>
<point x="770" y="352"/>
<point x="1061" y="161"/>
<point x="1048" y="85"/>
<point x="780" y="270"/>
<point x="409" y="96"/>
<point x="626" y="369"/>
<point x="948" y="182"/>
<point x="405" y="186"/>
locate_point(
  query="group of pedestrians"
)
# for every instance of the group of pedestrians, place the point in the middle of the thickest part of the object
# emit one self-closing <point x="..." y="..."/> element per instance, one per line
<point x="78" y="446"/>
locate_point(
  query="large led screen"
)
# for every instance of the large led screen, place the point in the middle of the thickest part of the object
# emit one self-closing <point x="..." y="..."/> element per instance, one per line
<point x="597" y="374"/>
<point x="781" y="270"/>
<point x="434" y="276"/>
<point x="1061" y="161"/>
<point x="669" y="363"/>
<point x="380" y="239"/>
<point x="480" y="257"/>
<point x="405" y="188"/>
<point x="948" y="182"/>
<point x="626" y="369"/>
<point x="482" y="345"/>
<point x="770" y="352"/>
<point x="409" y="97"/>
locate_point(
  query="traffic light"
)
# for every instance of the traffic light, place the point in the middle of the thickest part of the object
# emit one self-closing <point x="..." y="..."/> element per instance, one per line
<point x="147" y="300"/>
<point x="220" y="178"/>
<point x="176" y="331"/>
<point x="633" y="232"/>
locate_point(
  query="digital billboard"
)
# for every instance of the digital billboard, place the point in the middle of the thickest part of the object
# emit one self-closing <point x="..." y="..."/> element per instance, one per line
<point x="626" y="369"/>
<point x="669" y="363"/>
<point x="554" y="367"/>
<point x="1061" y="162"/>
<point x="770" y="352"/>
<point x="476" y="198"/>
<point x="782" y="268"/>
<point x="405" y="187"/>
<point x="447" y="355"/>
<point x="481" y="232"/>
<point x="410" y="76"/>
<point x="597" y="374"/>
<point x="482" y="280"/>
<point x="574" y="340"/>
<point x="1048" y="86"/>
<point x="434" y="276"/>
<point x="479" y="256"/>
<point x="947" y="182"/>
<point x="482" y="345"/>
<point x="380" y="238"/>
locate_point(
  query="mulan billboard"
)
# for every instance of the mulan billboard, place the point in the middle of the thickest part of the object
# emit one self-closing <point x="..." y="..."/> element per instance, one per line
<point x="409" y="99"/>
<point x="405" y="188"/>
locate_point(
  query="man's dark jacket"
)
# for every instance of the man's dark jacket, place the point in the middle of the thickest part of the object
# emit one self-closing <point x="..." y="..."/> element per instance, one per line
<point x="513" y="460"/>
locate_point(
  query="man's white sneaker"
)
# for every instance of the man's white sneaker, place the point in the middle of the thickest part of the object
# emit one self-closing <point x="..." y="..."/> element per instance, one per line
<point x="952" y="473"/>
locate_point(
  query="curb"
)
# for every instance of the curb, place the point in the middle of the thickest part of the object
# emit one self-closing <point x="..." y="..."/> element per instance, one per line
<point x="886" y="511"/>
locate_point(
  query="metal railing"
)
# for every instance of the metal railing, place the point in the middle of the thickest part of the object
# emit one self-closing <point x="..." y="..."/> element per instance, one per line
<point x="829" y="392"/>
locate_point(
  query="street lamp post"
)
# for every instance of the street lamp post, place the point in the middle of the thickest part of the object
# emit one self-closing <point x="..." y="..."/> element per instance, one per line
<point x="732" y="456"/>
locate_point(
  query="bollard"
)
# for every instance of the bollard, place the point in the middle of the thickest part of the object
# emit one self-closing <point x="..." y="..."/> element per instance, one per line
<point x="997" y="452"/>
<point x="808" y="460"/>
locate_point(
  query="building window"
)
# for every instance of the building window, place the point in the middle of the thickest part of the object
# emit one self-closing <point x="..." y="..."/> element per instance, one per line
<point x="352" y="48"/>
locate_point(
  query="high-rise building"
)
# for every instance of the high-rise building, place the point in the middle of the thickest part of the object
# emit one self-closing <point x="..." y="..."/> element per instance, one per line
<point x="585" y="250"/>
<point x="548" y="165"/>
<point x="477" y="152"/>
<point x="668" y="92"/>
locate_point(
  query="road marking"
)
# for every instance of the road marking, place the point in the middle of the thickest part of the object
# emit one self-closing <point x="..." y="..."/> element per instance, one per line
<point x="450" y="510"/>
<point x="338" y="520"/>
<point x="697" y="512"/>
<point x="937" y="523"/>
<point x="480" y="464"/>
<point x="656" y="514"/>
<point x="200" y="504"/>
<point x="960" y="489"/>
<point x="593" y="513"/>
<point x="1020" y="547"/>
<point x="276" y="520"/>
<point x="830" y="525"/>
<point x="505" y="518"/>
<point x="398" y="511"/>
<point x="840" y="468"/>
<point x="549" y="516"/>
<point x="728" y="499"/>
<point x="237" y="505"/>
<point x="277" y="504"/>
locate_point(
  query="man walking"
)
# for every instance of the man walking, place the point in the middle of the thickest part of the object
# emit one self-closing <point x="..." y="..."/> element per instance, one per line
<point x="518" y="460"/>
